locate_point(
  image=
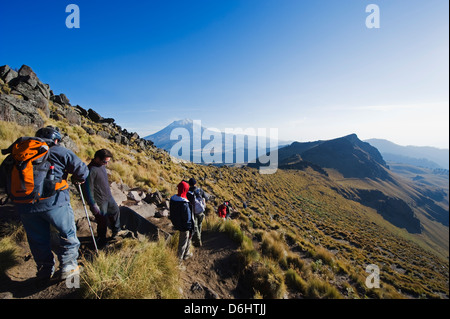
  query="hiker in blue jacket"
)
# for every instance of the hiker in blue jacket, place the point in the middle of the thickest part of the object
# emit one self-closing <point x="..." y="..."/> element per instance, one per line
<point x="181" y="217"/>
<point x="54" y="211"/>
<point x="99" y="196"/>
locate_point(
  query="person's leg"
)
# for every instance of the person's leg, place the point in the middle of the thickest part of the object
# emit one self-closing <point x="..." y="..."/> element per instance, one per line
<point x="38" y="235"/>
<point x="196" y="234"/>
<point x="102" y="222"/>
<point x="63" y="220"/>
<point x="184" y="244"/>
<point x="200" y="223"/>
<point x="113" y="216"/>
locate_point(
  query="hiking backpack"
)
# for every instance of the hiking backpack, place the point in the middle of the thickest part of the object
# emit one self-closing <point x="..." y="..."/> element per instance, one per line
<point x="27" y="173"/>
<point x="199" y="202"/>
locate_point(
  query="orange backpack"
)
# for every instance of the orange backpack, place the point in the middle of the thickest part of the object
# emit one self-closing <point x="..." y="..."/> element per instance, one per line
<point x="28" y="171"/>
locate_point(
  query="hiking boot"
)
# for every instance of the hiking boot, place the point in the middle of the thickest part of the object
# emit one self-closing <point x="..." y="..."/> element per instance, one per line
<point x="69" y="273"/>
<point x="187" y="256"/>
<point x="101" y="242"/>
<point x="45" y="273"/>
<point x="120" y="233"/>
<point x="197" y="243"/>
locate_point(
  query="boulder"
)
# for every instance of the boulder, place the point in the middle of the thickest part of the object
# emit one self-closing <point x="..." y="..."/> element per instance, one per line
<point x="162" y="213"/>
<point x="72" y="116"/>
<point x="94" y="116"/>
<point x="31" y="95"/>
<point x="88" y="130"/>
<point x="61" y="99"/>
<point x="103" y="134"/>
<point x="144" y="209"/>
<point x="20" y="111"/>
<point x="136" y="223"/>
<point x="107" y="120"/>
<point x="134" y="195"/>
<point x="81" y="110"/>
<point x="154" y="198"/>
<point x="117" y="193"/>
<point x="7" y="74"/>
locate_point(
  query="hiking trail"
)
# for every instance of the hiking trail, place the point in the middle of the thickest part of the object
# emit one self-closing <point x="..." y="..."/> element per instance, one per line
<point x="211" y="273"/>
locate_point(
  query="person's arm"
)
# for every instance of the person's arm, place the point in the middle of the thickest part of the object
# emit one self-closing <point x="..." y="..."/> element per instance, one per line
<point x="75" y="166"/>
<point x="88" y="190"/>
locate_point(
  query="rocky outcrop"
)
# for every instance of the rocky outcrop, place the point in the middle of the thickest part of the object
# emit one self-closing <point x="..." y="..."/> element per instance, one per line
<point x="17" y="110"/>
<point x="31" y="89"/>
<point x="22" y="95"/>
<point x="26" y="100"/>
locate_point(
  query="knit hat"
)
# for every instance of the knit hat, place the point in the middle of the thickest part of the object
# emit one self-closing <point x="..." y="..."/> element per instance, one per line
<point x="192" y="181"/>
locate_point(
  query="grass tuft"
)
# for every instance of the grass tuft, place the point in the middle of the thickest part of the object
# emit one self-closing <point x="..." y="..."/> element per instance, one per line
<point x="134" y="270"/>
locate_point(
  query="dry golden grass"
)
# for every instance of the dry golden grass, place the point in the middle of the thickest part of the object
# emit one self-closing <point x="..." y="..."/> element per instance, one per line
<point x="134" y="270"/>
<point x="8" y="254"/>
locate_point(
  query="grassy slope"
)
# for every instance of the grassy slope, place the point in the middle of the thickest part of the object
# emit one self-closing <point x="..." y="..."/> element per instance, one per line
<point x="323" y="241"/>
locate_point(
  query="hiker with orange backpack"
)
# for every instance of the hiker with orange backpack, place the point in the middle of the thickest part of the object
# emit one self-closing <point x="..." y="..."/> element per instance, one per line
<point x="36" y="182"/>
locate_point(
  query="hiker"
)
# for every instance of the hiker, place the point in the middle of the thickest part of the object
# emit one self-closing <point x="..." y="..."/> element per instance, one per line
<point x="181" y="217"/>
<point x="224" y="210"/>
<point x="39" y="214"/>
<point x="99" y="197"/>
<point x="197" y="198"/>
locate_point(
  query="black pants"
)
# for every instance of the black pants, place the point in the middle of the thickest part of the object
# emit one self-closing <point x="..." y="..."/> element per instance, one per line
<point x="109" y="214"/>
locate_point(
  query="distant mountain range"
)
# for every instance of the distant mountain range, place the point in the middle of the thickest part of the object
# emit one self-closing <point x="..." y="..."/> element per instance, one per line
<point x="423" y="156"/>
<point x="241" y="151"/>
<point x="189" y="140"/>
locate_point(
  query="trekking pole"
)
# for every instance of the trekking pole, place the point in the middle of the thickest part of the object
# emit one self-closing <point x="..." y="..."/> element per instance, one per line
<point x="87" y="216"/>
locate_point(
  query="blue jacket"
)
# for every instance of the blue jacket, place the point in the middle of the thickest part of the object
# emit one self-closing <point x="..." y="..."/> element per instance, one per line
<point x="65" y="162"/>
<point x="180" y="213"/>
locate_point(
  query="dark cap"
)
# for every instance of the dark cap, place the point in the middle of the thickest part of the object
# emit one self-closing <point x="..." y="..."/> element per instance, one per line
<point x="192" y="182"/>
<point x="49" y="132"/>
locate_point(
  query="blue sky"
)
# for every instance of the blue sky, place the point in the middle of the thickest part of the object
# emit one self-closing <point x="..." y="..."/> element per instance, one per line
<point x="312" y="69"/>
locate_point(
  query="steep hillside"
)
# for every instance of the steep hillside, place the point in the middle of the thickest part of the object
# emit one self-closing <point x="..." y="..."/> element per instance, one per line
<point x="293" y="234"/>
<point x="363" y="176"/>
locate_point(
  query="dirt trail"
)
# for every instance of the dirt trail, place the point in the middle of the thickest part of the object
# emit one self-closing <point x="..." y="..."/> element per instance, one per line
<point x="212" y="271"/>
